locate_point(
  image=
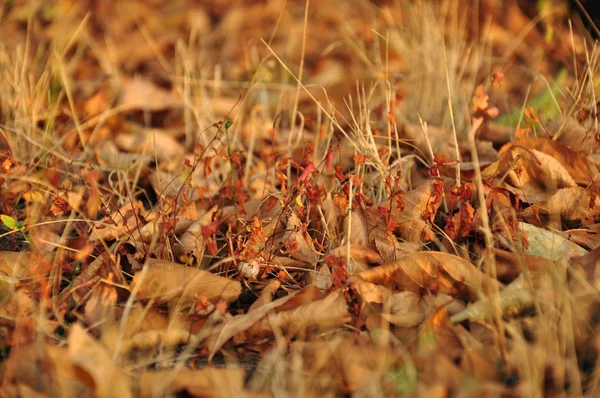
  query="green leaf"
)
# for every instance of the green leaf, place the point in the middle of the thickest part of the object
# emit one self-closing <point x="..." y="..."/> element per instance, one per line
<point x="9" y="222"/>
<point x="228" y="124"/>
<point x="543" y="102"/>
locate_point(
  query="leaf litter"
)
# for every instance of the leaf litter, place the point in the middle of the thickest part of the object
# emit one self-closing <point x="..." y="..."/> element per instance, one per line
<point x="290" y="199"/>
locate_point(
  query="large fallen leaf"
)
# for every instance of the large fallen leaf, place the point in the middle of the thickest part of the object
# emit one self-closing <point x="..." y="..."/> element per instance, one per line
<point x="291" y="314"/>
<point x="123" y="221"/>
<point x="567" y="204"/>
<point x="360" y="363"/>
<point x="572" y="134"/>
<point x="140" y="95"/>
<point x="155" y="142"/>
<point x="574" y="163"/>
<point x="534" y="175"/>
<point x="511" y="302"/>
<point x="435" y="271"/>
<point x="404" y="311"/>
<point x="547" y="244"/>
<point x="178" y="284"/>
<point x="192" y="241"/>
<point x="222" y="333"/>
<point x="88" y="354"/>
<point x="44" y="369"/>
<point x="327" y="313"/>
<point x="16" y="265"/>
<point x="358" y="257"/>
<point x="298" y="243"/>
<point x="206" y="382"/>
<point x="419" y="202"/>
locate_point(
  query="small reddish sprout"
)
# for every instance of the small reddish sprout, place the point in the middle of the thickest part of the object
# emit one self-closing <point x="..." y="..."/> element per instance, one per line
<point x="498" y="78"/>
<point x="310" y="167"/>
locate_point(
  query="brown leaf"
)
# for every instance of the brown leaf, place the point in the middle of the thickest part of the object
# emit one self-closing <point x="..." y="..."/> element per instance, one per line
<point x="327" y="313"/>
<point x="569" y="204"/>
<point x="298" y="242"/>
<point x="222" y="333"/>
<point x="192" y="241"/>
<point x="410" y="222"/>
<point x="436" y="271"/>
<point x="511" y="302"/>
<point x="140" y="95"/>
<point x="45" y="370"/>
<point x="177" y="284"/>
<point x="206" y="382"/>
<point x="122" y="222"/>
<point x="405" y="312"/>
<point x="530" y="173"/>
<point x="361" y="257"/>
<point x="88" y="354"/>
<point x="100" y="307"/>
<point x="155" y="142"/>
<point x="576" y="165"/>
<point x="15" y="264"/>
<point x="356" y="224"/>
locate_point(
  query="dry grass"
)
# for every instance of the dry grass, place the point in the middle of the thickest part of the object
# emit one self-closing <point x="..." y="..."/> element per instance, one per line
<point x="293" y="151"/>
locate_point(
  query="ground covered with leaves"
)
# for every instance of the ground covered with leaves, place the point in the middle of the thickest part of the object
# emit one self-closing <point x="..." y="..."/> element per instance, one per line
<point x="303" y="199"/>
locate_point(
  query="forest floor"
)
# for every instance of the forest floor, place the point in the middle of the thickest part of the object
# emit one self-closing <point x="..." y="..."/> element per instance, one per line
<point x="298" y="198"/>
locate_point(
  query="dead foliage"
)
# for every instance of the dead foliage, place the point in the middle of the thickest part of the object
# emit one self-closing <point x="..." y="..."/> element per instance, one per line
<point x="313" y="199"/>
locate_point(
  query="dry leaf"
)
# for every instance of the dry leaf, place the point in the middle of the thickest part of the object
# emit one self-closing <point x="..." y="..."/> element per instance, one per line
<point x="576" y="165"/>
<point x="177" y="284"/>
<point x="222" y="333"/>
<point x="45" y="370"/>
<point x="532" y="174"/>
<point x="361" y="258"/>
<point x="124" y="221"/>
<point x="154" y="142"/>
<point x="140" y="95"/>
<point x="211" y="382"/>
<point x="86" y="353"/>
<point x="546" y="244"/>
<point x="327" y="313"/>
<point x="298" y="243"/>
<point x="192" y="241"/>
<point x="404" y="311"/>
<point x="511" y="302"/>
<point x="435" y="271"/>
<point x="567" y="204"/>
<point x="16" y="265"/>
<point x="418" y="202"/>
